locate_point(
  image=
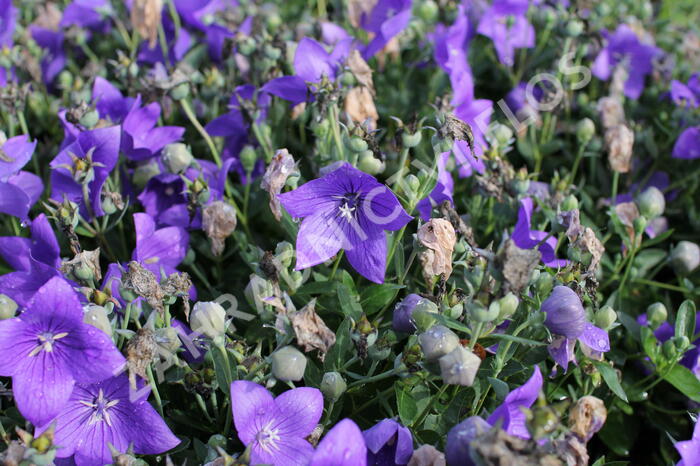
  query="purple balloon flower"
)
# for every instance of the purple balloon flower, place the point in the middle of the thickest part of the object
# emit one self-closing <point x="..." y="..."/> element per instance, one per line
<point x="178" y="44"/>
<point x="690" y="449"/>
<point x="566" y="319"/>
<point x="402" y="319"/>
<point x="686" y="95"/>
<point x="158" y="250"/>
<point x="526" y="238"/>
<point x="90" y="14"/>
<point x="343" y="445"/>
<point x="386" y="20"/>
<point x="48" y="348"/>
<point x="388" y="444"/>
<point x="477" y="114"/>
<point x="141" y="139"/>
<point x="665" y="331"/>
<point x="506" y="24"/>
<point x="54" y="56"/>
<point x="443" y="190"/>
<point x="34" y="259"/>
<point x="19" y="190"/>
<point x="510" y="412"/>
<point x="459" y="439"/>
<point x="109" y="413"/>
<point x="623" y="46"/>
<point x="345" y="209"/>
<point x="687" y="145"/>
<point x="275" y="428"/>
<point x="198" y="14"/>
<point x="311" y="63"/>
<point x="8" y="23"/>
<point x="89" y="159"/>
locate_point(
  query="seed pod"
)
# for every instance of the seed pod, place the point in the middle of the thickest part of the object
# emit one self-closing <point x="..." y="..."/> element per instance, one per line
<point x="177" y="157"/>
<point x="7" y="307"/>
<point x="333" y="385"/>
<point x="459" y="367"/>
<point x="288" y="364"/>
<point x="437" y="342"/>
<point x="651" y="202"/>
<point x="685" y="257"/>
<point x="656" y="315"/>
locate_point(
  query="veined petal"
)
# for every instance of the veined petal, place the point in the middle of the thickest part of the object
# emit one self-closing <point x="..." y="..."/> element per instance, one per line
<point x="16" y="342"/>
<point x="367" y="251"/>
<point x="343" y="445"/>
<point x="252" y="406"/>
<point x="562" y="351"/>
<point x="288" y="451"/>
<point x="55" y="305"/>
<point x="595" y="338"/>
<point x="311" y="61"/>
<point x="92" y="354"/>
<point x="514" y="421"/>
<point x="291" y="88"/>
<point x="298" y="411"/>
<point x="42" y="385"/>
<point x="381" y="207"/>
<point x="14" y="201"/>
<point x="312" y="197"/>
<point x="320" y="237"/>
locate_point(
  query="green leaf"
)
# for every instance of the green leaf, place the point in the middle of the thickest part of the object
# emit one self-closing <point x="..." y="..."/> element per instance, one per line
<point x="648" y="258"/>
<point x="408" y="410"/>
<point x="336" y="354"/>
<point x="685" y="381"/>
<point x="500" y="387"/>
<point x="349" y="303"/>
<point x="514" y="339"/>
<point x="685" y="320"/>
<point x="313" y="288"/>
<point x="610" y="377"/>
<point x="375" y="297"/>
<point x="649" y="343"/>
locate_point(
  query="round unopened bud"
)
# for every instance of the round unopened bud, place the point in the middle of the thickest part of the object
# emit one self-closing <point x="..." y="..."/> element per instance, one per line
<point x="656" y="315"/>
<point x="639" y="224"/>
<point x="455" y="312"/>
<point x="669" y="349"/>
<point x="459" y="367"/>
<point x="479" y="313"/>
<point x="209" y="319"/>
<point x="570" y="203"/>
<point x="356" y="144"/>
<point x="413" y="306"/>
<point x="248" y="157"/>
<point x="437" y="342"/>
<point x="247" y="46"/>
<point x="428" y="11"/>
<point x="574" y="28"/>
<point x="347" y="79"/>
<point x="685" y="257"/>
<point x="507" y="306"/>
<point x="168" y="339"/>
<point x="370" y="164"/>
<point x="8" y="307"/>
<point x="565" y="313"/>
<point x="177" y="157"/>
<point x="97" y="317"/>
<point x="90" y="119"/>
<point x="502" y="134"/>
<point x="411" y="139"/>
<point x="651" y="202"/>
<point x="585" y="130"/>
<point x="145" y="172"/>
<point x="605" y="317"/>
<point x="412" y="182"/>
<point x="288" y="364"/>
<point x="544" y="283"/>
<point x="180" y="92"/>
<point x="681" y="342"/>
<point x="333" y="385"/>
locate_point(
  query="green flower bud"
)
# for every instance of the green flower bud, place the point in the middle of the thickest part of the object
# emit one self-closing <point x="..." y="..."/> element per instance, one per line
<point x="247" y="46"/>
<point x="347" y="79"/>
<point x="145" y="172"/>
<point x="605" y="317"/>
<point x="685" y="257"/>
<point x="412" y="182"/>
<point x="333" y="385"/>
<point x="177" y="157"/>
<point x="570" y="203"/>
<point x="273" y="53"/>
<point x="208" y="318"/>
<point x="90" y="119"/>
<point x="248" y="157"/>
<point x="356" y="144"/>
<point x="585" y="130"/>
<point x="108" y="205"/>
<point x="669" y="350"/>
<point x="428" y="11"/>
<point x="459" y="367"/>
<point x="479" y="313"/>
<point x="65" y="79"/>
<point x="507" y="305"/>
<point x="180" y="92"/>
<point x="651" y="202"/>
<point x="273" y="21"/>
<point x="574" y="28"/>
<point x="369" y="164"/>
<point x="288" y="364"/>
<point x="217" y="441"/>
<point x="411" y="140"/>
<point x="681" y="342"/>
<point x="502" y="134"/>
<point x="7" y="307"/>
<point x="437" y="342"/>
<point x="521" y="186"/>
<point x="455" y="312"/>
<point x="639" y="224"/>
<point x="97" y="317"/>
<point x="544" y="283"/>
<point x="656" y="315"/>
<point x="168" y="339"/>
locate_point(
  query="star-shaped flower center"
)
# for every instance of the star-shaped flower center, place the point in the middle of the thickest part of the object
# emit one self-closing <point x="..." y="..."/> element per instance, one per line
<point x="100" y="408"/>
<point x="268" y="437"/>
<point x="45" y="342"/>
<point x="348" y="204"/>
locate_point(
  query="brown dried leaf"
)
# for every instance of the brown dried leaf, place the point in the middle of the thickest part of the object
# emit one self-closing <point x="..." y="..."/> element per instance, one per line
<point x="145" y="17"/>
<point x="587" y="417"/>
<point x="311" y="332"/>
<point x="142" y="282"/>
<point x="361" y="70"/>
<point x="427" y="455"/>
<point x="359" y="105"/>
<point x="619" y="142"/>
<point x="218" y="222"/>
<point x="281" y="167"/>
<point x="518" y="265"/>
<point x="140" y="352"/>
<point x="438" y="236"/>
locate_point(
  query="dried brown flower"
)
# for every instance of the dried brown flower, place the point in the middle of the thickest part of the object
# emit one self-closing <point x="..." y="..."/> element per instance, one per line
<point x="280" y="168"/>
<point x="611" y="112"/>
<point x="218" y="222"/>
<point x="361" y="70"/>
<point x="427" y="455"/>
<point x="142" y="282"/>
<point x="145" y="17"/>
<point x="438" y="236"/>
<point x="84" y="267"/>
<point x="518" y="265"/>
<point x="587" y="417"/>
<point x="357" y="9"/>
<point x="311" y="332"/>
<point x="140" y="352"/>
<point x="619" y="142"/>
<point x="359" y="105"/>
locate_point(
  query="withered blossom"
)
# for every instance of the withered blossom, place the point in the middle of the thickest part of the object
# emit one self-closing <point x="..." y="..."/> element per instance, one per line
<point x="438" y="236"/>
<point x="619" y="142"/>
<point x="310" y="330"/>
<point x="145" y="17"/>
<point x="281" y="167"/>
<point x="218" y="222"/>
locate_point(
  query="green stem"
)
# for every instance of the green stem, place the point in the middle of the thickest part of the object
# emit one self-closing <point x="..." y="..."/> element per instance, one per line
<point x="643" y="281"/>
<point x="203" y="407"/>
<point x="615" y="182"/>
<point x="154" y="388"/>
<point x="125" y="323"/>
<point x="338" y="258"/>
<point x="203" y="132"/>
<point x="421" y="417"/>
<point x="577" y="162"/>
<point x="382" y="376"/>
<point x="402" y="167"/>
